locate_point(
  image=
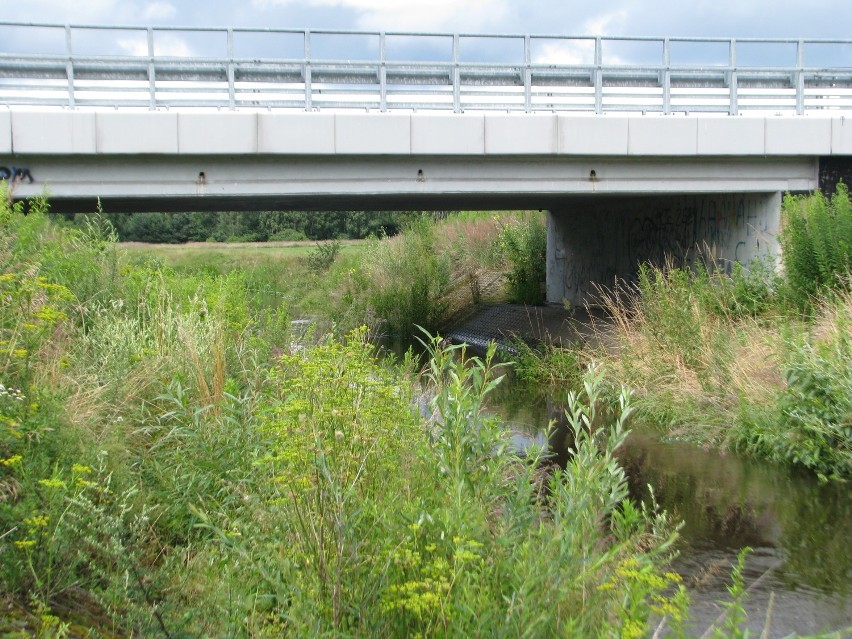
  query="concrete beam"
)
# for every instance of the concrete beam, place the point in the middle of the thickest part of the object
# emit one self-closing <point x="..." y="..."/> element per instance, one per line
<point x="31" y="130"/>
<point x="295" y="133"/>
<point x="841" y="136"/>
<point x="731" y="135"/>
<point x="135" y="133"/>
<point x="372" y="133"/>
<point x="788" y="135"/>
<point x="663" y="135"/>
<point x="447" y="134"/>
<point x="593" y="135"/>
<point x="520" y="134"/>
<point x="217" y="133"/>
<point x="532" y="182"/>
<point x="5" y="130"/>
<point x="53" y="132"/>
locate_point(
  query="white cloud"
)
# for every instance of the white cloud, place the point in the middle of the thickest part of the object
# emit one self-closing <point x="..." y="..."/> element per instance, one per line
<point x="81" y="12"/>
<point x="164" y="45"/>
<point x="568" y="52"/>
<point x="159" y="11"/>
<point x="606" y="23"/>
<point x="582" y="51"/>
<point x="415" y="15"/>
<point x="133" y="46"/>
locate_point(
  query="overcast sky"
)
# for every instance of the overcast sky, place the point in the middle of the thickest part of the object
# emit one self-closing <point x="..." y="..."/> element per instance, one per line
<point x="722" y="18"/>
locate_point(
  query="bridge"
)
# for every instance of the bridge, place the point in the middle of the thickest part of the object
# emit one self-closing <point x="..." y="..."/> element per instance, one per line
<point x="637" y="147"/>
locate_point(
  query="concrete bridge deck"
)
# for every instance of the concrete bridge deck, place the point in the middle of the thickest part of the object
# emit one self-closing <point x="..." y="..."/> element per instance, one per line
<point x="190" y="160"/>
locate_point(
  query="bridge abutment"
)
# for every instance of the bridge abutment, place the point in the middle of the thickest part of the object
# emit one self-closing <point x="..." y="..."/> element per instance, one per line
<point x="592" y="243"/>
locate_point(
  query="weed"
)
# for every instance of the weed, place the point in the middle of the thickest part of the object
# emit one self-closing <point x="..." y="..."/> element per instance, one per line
<point x="323" y="256"/>
<point x="523" y="243"/>
<point x="816" y="241"/>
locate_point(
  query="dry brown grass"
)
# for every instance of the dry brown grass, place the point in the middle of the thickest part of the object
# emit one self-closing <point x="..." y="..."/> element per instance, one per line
<point x="729" y="359"/>
<point x="833" y="318"/>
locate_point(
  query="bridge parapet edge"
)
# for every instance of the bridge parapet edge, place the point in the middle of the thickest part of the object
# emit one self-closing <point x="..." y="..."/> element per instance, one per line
<point x="39" y="131"/>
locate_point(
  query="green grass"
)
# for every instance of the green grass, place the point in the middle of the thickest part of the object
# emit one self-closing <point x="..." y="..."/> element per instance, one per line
<point x="727" y="361"/>
<point x="175" y="462"/>
<point x="172" y="463"/>
<point x="232" y="255"/>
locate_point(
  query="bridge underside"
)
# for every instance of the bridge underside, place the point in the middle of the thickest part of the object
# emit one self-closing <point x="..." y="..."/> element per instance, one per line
<point x="605" y="215"/>
<point x="195" y="183"/>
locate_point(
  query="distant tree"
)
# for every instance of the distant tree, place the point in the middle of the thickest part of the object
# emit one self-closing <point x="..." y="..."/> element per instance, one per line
<point x="254" y="226"/>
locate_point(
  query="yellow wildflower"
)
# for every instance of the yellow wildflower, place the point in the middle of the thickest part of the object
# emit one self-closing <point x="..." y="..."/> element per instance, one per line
<point x="11" y="461"/>
<point x="52" y="483"/>
<point x="36" y="521"/>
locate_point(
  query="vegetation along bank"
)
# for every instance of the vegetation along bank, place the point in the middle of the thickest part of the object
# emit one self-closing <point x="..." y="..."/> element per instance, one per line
<point x="176" y="461"/>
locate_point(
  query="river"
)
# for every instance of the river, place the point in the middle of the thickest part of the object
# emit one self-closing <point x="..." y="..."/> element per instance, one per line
<point x="798" y="528"/>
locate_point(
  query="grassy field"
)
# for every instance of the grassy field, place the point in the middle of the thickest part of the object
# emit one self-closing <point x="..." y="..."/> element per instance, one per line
<point x="245" y="254"/>
<point x="276" y="273"/>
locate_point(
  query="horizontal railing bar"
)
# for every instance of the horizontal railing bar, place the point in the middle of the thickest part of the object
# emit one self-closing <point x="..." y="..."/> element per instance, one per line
<point x="444" y="81"/>
<point x="426" y="34"/>
<point x="138" y="62"/>
<point x="430" y="34"/>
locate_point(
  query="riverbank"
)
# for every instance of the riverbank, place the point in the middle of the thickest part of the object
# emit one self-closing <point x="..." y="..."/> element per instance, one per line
<point x="173" y="462"/>
<point x="794" y="523"/>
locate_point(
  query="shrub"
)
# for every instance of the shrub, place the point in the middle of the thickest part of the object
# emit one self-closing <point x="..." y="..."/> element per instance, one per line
<point x="288" y="235"/>
<point x="406" y="280"/>
<point x="812" y="424"/>
<point x="816" y="243"/>
<point x="323" y="256"/>
<point x="524" y="246"/>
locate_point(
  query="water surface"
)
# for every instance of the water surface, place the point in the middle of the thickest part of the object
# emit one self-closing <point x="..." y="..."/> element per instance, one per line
<point x="798" y="528"/>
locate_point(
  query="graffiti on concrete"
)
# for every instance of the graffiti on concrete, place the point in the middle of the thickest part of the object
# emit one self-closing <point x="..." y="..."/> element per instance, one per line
<point x="721" y="225"/>
<point x="16" y="174"/>
<point x="597" y="243"/>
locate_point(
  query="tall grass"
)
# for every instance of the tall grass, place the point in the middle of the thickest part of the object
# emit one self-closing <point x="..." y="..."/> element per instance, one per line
<point x="810" y="423"/>
<point x="406" y="280"/>
<point x="436" y="272"/>
<point x="171" y="464"/>
<point x="681" y="340"/>
<point x="726" y="360"/>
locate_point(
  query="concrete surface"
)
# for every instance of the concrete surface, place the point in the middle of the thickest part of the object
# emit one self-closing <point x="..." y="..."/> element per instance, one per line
<point x="30" y="130"/>
<point x="595" y="242"/>
<point x="505" y="323"/>
<point x="295" y="133"/>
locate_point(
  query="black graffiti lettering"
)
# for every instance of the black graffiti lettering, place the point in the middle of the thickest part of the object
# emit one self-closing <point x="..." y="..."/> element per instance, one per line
<point x="16" y="174"/>
<point x="22" y="174"/>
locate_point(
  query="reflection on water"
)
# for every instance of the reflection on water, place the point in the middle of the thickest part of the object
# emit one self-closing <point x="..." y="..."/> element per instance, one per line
<point x="799" y="529"/>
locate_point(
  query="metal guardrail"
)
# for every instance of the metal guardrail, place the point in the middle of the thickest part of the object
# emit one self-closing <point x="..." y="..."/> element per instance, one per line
<point x="452" y="72"/>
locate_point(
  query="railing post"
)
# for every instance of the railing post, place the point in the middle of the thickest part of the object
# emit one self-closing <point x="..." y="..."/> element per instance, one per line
<point x="383" y="75"/>
<point x="733" y="106"/>
<point x="800" y="77"/>
<point x="598" y="76"/>
<point x="527" y="75"/>
<point x="232" y="98"/>
<point x="152" y="74"/>
<point x="69" y="67"/>
<point x="307" y="72"/>
<point x="667" y="78"/>
<point x="456" y="75"/>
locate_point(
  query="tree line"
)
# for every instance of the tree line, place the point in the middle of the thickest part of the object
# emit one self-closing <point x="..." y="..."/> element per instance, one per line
<point x="253" y="226"/>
